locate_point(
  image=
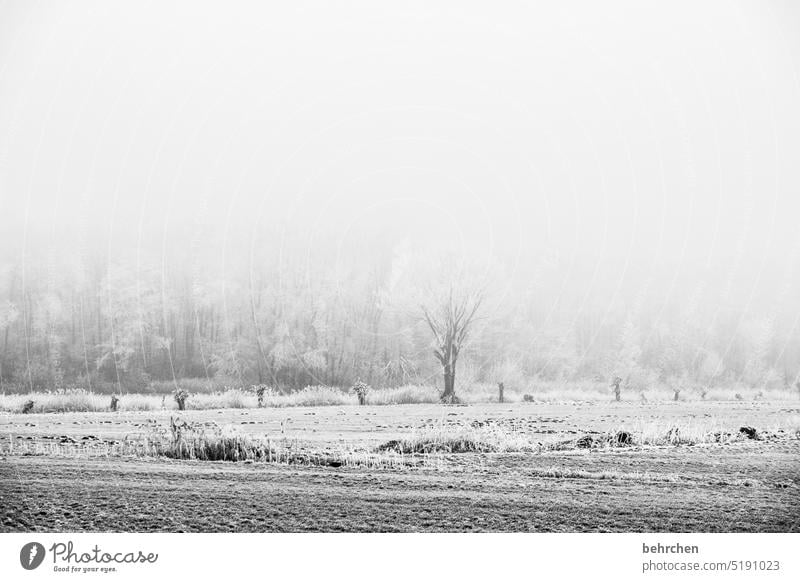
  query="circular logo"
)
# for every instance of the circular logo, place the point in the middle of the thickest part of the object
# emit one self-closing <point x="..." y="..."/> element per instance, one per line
<point x="31" y="555"/>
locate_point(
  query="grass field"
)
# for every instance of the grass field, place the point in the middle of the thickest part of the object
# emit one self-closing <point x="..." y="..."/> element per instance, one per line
<point x="685" y="466"/>
<point x="212" y="398"/>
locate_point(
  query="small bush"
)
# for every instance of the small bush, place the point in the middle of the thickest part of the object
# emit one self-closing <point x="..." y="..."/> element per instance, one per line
<point x="181" y="396"/>
<point x="262" y="391"/>
<point x="450" y="399"/>
<point x="360" y="389"/>
<point x="749" y="432"/>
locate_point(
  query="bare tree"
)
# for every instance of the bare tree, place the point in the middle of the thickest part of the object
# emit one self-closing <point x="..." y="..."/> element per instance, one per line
<point x="450" y="322"/>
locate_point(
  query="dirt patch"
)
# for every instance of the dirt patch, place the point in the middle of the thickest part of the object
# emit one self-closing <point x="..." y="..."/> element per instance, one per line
<point x="616" y="491"/>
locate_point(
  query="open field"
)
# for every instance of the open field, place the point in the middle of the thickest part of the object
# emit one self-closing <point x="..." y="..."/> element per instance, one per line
<point x="72" y="471"/>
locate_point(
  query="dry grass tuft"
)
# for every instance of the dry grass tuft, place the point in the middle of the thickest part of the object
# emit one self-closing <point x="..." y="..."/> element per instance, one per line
<point x="410" y="394"/>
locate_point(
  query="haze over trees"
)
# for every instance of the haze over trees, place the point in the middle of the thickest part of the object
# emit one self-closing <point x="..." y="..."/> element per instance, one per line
<point x="282" y="316"/>
<point x="241" y="203"/>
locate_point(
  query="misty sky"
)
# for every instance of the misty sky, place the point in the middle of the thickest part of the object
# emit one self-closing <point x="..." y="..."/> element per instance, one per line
<point x="628" y="137"/>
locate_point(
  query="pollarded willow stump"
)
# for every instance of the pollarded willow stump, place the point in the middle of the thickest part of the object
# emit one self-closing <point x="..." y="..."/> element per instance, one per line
<point x="615" y="384"/>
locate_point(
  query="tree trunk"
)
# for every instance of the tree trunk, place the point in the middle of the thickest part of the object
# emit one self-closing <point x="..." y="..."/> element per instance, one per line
<point x="449" y="383"/>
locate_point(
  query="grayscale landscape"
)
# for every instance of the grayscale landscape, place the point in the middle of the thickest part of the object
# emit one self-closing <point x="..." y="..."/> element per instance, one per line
<point x="420" y="268"/>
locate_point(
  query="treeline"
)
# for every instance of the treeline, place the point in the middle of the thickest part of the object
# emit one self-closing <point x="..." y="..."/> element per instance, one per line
<point x="280" y="315"/>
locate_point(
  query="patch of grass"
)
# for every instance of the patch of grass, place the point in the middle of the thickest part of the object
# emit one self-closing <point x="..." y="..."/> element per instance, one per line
<point x="461" y="439"/>
<point x="223" y="399"/>
<point x="191" y="385"/>
<point x="410" y="394"/>
<point x="569" y="473"/>
<point x="311" y="396"/>
<point x="79" y="400"/>
<point x="189" y="441"/>
<point x="450" y="444"/>
<point x="498" y="439"/>
<point x="146" y="402"/>
<point x="68" y="401"/>
<point x="209" y="443"/>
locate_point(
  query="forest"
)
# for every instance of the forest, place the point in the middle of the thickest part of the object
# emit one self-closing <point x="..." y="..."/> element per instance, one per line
<point x="288" y="313"/>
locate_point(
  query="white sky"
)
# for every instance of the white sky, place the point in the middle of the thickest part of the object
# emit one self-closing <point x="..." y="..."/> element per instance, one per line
<point x="664" y="136"/>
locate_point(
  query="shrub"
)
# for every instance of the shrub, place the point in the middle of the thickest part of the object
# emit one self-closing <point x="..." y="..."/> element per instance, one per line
<point x="360" y="389"/>
<point x="450" y="399"/>
<point x="181" y="396"/>
<point x="749" y="432"/>
<point x="262" y="390"/>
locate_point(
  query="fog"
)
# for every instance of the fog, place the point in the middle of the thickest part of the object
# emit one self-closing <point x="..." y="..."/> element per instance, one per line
<point x="615" y="162"/>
